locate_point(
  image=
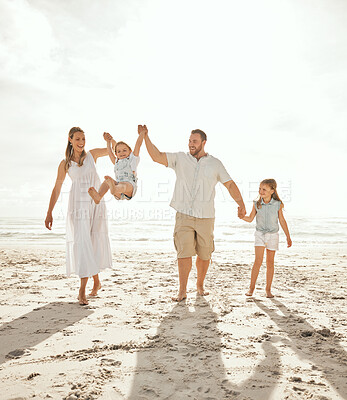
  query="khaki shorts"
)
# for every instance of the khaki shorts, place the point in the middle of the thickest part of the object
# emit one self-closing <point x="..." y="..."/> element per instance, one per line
<point x="193" y="236"/>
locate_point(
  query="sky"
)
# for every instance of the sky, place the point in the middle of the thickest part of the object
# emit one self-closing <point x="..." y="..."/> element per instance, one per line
<point x="265" y="80"/>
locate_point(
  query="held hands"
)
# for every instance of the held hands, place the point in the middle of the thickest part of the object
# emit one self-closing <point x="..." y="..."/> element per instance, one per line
<point x="49" y="221"/>
<point x="142" y="130"/>
<point x="108" y="137"/>
<point x="241" y="212"/>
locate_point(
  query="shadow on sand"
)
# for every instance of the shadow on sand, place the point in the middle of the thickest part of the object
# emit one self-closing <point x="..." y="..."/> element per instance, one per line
<point x="184" y="361"/>
<point x="33" y="328"/>
<point x="321" y="347"/>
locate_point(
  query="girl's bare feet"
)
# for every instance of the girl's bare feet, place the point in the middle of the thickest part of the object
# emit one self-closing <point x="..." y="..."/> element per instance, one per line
<point x="94" y="195"/>
<point x="269" y="294"/>
<point x="201" y="291"/>
<point x="95" y="290"/>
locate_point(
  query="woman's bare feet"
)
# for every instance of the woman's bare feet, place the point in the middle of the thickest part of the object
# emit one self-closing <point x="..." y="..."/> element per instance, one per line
<point x="94" y="195"/>
<point x="180" y="297"/>
<point x="112" y="184"/>
<point x="82" y="300"/>
<point x="249" y="293"/>
<point x="95" y="290"/>
<point x="269" y="294"/>
<point x="202" y="292"/>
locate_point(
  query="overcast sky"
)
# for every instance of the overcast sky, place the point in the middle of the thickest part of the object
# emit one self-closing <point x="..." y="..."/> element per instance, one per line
<point x="266" y="80"/>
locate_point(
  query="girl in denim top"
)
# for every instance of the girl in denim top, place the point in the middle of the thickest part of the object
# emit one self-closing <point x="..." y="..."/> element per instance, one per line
<point x="268" y="210"/>
<point x="125" y="165"/>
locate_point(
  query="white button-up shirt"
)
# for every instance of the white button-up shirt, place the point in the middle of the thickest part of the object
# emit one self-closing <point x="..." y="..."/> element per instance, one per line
<point x="195" y="183"/>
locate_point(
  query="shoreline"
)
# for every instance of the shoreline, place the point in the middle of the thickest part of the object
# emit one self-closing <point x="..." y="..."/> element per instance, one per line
<point x="168" y="245"/>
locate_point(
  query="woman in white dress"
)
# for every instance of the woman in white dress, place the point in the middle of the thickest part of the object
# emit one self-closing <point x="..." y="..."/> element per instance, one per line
<point x="87" y="244"/>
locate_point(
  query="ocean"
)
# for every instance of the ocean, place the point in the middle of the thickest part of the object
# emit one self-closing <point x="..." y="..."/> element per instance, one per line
<point x="156" y="233"/>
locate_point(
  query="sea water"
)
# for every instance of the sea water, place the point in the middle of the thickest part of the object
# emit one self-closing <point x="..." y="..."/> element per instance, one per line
<point x="156" y="232"/>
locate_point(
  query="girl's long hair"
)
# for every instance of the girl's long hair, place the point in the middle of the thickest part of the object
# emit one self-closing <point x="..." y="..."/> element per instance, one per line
<point x="69" y="150"/>
<point x="273" y="185"/>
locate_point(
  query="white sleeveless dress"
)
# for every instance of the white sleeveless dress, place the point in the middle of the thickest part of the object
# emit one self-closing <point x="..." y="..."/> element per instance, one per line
<point x="87" y="243"/>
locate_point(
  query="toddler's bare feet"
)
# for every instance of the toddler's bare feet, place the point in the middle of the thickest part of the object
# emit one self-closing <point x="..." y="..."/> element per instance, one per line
<point x="201" y="291"/>
<point x="269" y="294"/>
<point x="95" y="290"/>
<point x="112" y="184"/>
<point x="94" y="195"/>
<point x="181" y="296"/>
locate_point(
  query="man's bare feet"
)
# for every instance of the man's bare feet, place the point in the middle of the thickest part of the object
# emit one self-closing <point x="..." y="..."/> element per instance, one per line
<point x="95" y="290"/>
<point x="82" y="300"/>
<point x="94" y="195"/>
<point x="180" y="297"/>
<point x="269" y="294"/>
<point x="249" y="293"/>
<point x="202" y="292"/>
<point x="111" y="183"/>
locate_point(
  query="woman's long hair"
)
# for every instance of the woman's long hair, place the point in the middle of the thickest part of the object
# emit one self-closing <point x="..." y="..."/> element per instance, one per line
<point x="69" y="150"/>
<point x="273" y="186"/>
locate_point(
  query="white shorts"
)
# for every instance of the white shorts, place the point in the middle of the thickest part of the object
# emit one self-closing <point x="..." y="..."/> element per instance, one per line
<point x="267" y="240"/>
<point x="124" y="196"/>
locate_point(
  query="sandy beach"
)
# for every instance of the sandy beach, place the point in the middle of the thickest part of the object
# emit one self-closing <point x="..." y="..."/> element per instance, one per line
<point x="133" y="342"/>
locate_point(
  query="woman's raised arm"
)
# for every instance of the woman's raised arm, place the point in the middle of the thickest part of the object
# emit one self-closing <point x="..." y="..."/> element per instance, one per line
<point x="96" y="153"/>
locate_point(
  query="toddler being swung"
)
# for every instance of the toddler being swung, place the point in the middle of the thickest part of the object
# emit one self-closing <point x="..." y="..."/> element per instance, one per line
<point x="125" y="163"/>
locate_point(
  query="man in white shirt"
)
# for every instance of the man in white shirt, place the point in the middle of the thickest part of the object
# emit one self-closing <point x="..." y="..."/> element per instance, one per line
<point x="197" y="174"/>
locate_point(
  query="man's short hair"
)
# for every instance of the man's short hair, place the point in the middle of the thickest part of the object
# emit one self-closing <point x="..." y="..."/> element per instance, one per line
<point x="201" y="133"/>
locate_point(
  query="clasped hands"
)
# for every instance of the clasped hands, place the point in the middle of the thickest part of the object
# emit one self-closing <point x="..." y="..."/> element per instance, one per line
<point x="241" y="212"/>
<point x="142" y="130"/>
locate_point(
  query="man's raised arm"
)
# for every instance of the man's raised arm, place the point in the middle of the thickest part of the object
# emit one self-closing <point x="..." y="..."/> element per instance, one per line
<point x="155" y="154"/>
